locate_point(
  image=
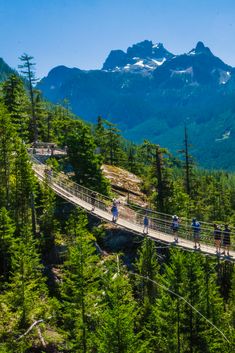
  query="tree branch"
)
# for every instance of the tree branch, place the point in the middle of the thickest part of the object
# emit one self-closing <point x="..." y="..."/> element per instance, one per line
<point x="30" y="329"/>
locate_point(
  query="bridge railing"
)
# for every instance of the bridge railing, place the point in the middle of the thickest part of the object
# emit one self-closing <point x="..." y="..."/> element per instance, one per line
<point x="157" y="221"/>
<point x="163" y="222"/>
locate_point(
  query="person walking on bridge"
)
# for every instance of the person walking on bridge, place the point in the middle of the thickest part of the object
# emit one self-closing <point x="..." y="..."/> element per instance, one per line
<point x="226" y="239"/>
<point x="175" y="227"/>
<point x="146" y="224"/>
<point x="196" y="228"/>
<point x="114" y="210"/>
<point x="217" y="238"/>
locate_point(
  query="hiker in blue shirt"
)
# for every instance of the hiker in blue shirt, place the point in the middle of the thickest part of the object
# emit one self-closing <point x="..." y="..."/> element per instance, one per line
<point x="196" y="228"/>
<point x="114" y="210"/>
<point x="146" y="224"/>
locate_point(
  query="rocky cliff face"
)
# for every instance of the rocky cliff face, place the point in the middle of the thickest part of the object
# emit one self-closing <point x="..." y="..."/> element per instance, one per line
<point x="142" y="57"/>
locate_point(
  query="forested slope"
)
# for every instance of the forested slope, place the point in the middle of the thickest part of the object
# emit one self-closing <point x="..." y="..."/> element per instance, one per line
<point x="58" y="292"/>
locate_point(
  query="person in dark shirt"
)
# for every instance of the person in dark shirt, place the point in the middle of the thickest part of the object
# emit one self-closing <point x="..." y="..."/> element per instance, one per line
<point x="196" y="228"/>
<point x="226" y="239"/>
<point x="146" y="224"/>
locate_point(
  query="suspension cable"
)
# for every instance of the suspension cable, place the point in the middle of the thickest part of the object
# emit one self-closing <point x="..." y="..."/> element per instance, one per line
<point x="182" y="298"/>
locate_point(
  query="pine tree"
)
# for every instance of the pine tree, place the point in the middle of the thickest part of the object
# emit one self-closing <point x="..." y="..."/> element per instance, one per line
<point x="28" y="70"/>
<point x="47" y="220"/>
<point x="7" y="138"/>
<point x="86" y="164"/>
<point x="188" y="163"/>
<point x="132" y="163"/>
<point x="7" y="229"/>
<point x="159" y="179"/>
<point x="25" y="299"/>
<point x="167" y="334"/>
<point x="24" y="189"/>
<point x="81" y="286"/>
<point x="113" y="147"/>
<point x="108" y="140"/>
<point x="202" y="292"/>
<point x="147" y="266"/>
<point x="17" y="103"/>
<point x="100" y="136"/>
<point x="42" y="116"/>
<point x="117" y="319"/>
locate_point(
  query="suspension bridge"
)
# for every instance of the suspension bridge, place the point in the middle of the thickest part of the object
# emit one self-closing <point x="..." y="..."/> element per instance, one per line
<point x="131" y="217"/>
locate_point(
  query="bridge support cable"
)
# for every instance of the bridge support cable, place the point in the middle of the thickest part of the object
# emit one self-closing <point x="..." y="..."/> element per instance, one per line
<point x="183" y="299"/>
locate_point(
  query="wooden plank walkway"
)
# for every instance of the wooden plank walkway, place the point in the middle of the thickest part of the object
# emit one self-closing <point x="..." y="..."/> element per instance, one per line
<point x="125" y="223"/>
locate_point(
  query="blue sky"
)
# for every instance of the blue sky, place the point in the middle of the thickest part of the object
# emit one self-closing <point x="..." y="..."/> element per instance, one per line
<point x="81" y="33"/>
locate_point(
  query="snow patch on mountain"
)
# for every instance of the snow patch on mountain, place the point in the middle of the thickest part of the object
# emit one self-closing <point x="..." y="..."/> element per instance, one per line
<point x="225" y="136"/>
<point x="143" y="57"/>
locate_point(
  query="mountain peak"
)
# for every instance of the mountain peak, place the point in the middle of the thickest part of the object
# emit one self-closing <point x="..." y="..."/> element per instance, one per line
<point x="141" y="57"/>
<point x="200" y="46"/>
<point x="142" y="49"/>
<point x="201" y="49"/>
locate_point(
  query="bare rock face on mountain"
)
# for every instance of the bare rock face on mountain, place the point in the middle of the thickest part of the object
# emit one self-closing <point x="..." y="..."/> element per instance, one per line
<point x="142" y="57"/>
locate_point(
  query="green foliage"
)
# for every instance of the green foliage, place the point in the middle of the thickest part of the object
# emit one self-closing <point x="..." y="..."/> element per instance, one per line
<point x="25" y="299"/>
<point x="147" y="267"/>
<point x="86" y="164"/>
<point x="7" y="229"/>
<point x="100" y="305"/>
<point x="7" y="137"/>
<point x="109" y="142"/>
<point x="117" y="319"/>
<point x="47" y="220"/>
<point x="28" y="71"/>
<point x="24" y="188"/>
<point x="81" y="294"/>
<point x="17" y="103"/>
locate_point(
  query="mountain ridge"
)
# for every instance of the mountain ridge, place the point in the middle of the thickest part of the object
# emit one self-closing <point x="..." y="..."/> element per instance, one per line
<point x="153" y="102"/>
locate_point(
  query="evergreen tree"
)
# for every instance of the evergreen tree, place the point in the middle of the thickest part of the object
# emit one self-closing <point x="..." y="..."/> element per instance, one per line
<point x="17" y="103"/>
<point x="202" y="292"/>
<point x="47" y="219"/>
<point x="117" y="319"/>
<point x="81" y="286"/>
<point x="159" y="181"/>
<point x="188" y="163"/>
<point x="25" y="299"/>
<point x="147" y="266"/>
<point x="86" y="164"/>
<point x="28" y="70"/>
<point x="7" y="138"/>
<point x="42" y="116"/>
<point x="6" y="238"/>
<point x="168" y="312"/>
<point x="108" y="140"/>
<point x="24" y="189"/>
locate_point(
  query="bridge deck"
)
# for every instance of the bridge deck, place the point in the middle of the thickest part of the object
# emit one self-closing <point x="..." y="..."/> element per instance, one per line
<point x="72" y="197"/>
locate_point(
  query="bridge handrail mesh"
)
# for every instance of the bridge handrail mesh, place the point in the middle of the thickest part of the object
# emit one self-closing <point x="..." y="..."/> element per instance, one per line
<point x="157" y="220"/>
